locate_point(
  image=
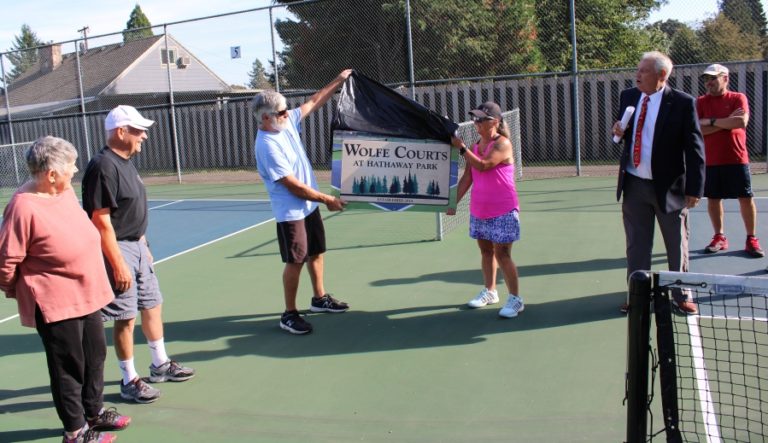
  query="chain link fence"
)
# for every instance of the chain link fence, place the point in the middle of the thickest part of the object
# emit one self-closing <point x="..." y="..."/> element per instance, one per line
<point x="449" y="55"/>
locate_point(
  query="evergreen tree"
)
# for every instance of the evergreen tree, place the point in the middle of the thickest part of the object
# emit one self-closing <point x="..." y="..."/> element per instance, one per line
<point x="20" y="55"/>
<point x="137" y="20"/>
<point x="258" y="76"/>
<point x="747" y="14"/>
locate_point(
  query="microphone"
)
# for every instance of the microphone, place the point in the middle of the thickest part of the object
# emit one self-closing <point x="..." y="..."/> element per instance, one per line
<point x="624" y="121"/>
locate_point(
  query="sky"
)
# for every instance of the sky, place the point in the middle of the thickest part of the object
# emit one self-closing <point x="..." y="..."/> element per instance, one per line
<point x="57" y="20"/>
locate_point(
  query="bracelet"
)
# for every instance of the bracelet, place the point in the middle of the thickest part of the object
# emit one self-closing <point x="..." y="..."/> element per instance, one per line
<point x="462" y="151"/>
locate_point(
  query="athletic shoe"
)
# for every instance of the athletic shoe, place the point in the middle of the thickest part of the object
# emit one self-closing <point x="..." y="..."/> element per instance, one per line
<point x="109" y="420"/>
<point x="753" y="247"/>
<point x="484" y="297"/>
<point x="513" y="307"/>
<point x="327" y="303"/>
<point x="624" y="308"/>
<point x="170" y="371"/>
<point x="718" y="243"/>
<point x="139" y="391"/>
<point x="292" y="322"/>
<point x="87" y="435"/>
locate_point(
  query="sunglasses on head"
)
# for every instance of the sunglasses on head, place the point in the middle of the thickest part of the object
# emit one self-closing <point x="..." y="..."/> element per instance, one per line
<point x="477" y="119"/>
<point x="282" y="113"/>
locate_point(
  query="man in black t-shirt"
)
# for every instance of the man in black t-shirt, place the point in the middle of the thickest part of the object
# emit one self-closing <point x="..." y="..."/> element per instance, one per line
<point x="115" y="199"/>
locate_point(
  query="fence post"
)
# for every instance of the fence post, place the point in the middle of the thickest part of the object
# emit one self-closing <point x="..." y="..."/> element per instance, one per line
<point x="10" y="123"/>
<point x="82" y="101"/>
<point x="275" y="65"/>
<point x="174" y="134"/>
<point x="575" y="86"/>
<point x="638" y="342"/>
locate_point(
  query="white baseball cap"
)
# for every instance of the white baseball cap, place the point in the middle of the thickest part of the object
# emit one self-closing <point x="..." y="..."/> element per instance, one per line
<point x="715" y="70"/>
<point x="124" y="115"/>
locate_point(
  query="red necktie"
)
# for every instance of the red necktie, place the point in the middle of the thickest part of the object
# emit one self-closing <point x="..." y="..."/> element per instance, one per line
<point x="639" y="132"/>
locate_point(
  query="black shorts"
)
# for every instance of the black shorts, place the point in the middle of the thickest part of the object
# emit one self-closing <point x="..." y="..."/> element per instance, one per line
<point x="301" y="239"/>
<point x="728" y="181"/>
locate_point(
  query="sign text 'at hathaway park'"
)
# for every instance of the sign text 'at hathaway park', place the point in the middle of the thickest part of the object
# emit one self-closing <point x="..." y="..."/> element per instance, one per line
<point x="394" y="174"/>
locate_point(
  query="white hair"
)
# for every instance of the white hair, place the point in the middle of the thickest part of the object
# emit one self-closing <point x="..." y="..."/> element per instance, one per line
<point x="50" y="153"/>
<point x="266" y="102"/>
<point x="661" y="62"/>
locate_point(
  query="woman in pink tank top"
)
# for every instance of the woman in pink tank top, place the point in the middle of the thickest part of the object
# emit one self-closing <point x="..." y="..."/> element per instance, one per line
<point x="493" y="206"/>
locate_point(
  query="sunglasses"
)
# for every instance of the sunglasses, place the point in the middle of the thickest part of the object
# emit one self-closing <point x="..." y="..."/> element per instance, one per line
<point x="477" y="119"/>
<point x="282" y="113"/>
<point x="707" y="77"/>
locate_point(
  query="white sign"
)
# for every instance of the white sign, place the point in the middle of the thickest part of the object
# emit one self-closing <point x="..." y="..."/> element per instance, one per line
<point x="395" y="171"/>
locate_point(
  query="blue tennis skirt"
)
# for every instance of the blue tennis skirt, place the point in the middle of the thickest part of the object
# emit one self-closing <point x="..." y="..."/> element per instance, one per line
<point x="502" y="229"/>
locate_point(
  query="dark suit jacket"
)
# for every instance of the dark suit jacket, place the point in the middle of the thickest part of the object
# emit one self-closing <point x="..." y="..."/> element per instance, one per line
<point x="677" y="162"/>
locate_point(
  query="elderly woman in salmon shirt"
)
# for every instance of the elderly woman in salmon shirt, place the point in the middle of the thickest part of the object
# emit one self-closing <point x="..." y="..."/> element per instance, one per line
<point x="51" y="263"/>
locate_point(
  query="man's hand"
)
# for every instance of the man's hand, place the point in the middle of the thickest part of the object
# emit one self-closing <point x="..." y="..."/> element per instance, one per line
<point x="123" y="277"/>
<point x="691" y="201"/>
<point x="617" y="131"/>
<point x="335" y="204"/>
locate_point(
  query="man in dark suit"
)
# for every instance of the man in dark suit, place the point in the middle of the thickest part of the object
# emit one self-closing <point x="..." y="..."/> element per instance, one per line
<point x="661" y="174"/>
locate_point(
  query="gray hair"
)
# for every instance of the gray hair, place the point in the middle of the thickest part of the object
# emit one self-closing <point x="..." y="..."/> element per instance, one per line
<point x="49" y="153"/>
<point x="661" y="62"/>
<point x="265" y="102"/>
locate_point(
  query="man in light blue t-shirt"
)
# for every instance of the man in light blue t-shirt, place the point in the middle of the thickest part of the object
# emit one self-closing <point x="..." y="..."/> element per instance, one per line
<point x="287" y="173"/>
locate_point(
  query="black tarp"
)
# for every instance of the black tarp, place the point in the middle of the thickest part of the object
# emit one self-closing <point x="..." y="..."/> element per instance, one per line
<point x="369" y="106"/>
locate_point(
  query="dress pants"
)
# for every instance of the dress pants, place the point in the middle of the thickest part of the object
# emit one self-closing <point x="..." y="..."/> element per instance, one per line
<point x="640" y="212"/>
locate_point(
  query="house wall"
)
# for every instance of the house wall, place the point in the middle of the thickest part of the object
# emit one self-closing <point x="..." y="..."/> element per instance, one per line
<point x="149" y="75"/>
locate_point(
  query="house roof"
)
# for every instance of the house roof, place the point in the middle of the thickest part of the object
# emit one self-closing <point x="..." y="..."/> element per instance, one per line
<point x="100" y="66"/>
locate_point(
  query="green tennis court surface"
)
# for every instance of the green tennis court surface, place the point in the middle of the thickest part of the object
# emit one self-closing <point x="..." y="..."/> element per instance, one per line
<point x="407" y="363"/>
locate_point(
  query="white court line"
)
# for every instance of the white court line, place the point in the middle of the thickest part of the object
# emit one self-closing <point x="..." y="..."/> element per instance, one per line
<point x="167" y="204"/>
<point x="184" y="252"/>
<point x="213" y="241"/>
<point x="702" y="382"/>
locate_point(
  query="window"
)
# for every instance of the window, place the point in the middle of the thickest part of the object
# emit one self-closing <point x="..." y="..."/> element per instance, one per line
<point x="168" y="56"/>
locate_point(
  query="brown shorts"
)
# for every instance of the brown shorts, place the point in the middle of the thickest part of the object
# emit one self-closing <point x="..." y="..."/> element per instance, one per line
<point x="301" y="239"/>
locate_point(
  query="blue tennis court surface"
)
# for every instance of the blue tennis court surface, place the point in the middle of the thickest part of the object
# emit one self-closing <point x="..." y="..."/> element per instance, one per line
<point x="176" y="226"/>
<point x="734" y="261"/>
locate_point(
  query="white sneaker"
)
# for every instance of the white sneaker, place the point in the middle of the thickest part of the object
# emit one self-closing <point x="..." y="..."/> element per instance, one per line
<point x="513" y="307"/>
<point x="485" y="297"/>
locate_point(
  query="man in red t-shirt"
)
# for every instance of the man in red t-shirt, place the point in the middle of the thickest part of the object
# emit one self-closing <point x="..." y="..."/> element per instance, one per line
<point x="723" y="116"/>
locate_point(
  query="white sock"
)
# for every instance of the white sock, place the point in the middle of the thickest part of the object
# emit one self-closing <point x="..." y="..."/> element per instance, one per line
<point x="128" y="369"/>
<point x="157" y="348"/>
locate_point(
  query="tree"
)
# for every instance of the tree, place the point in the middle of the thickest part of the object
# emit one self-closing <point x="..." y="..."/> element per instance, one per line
<point x="723" y="40"/>
<point x="610" y="33"/>
<point x="686" y="48"/>
<point x="747" y="14"/>
<point x="368" y="35"/>
<point x="258" y="76"/>
<point x="457" y="38"/>
<point x="137" y="21"/>
<point x="21" y="54"/>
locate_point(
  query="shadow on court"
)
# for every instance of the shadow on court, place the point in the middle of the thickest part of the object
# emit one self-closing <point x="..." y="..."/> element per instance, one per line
<point x="381" y="331"/>
<point x="29" y="434"/>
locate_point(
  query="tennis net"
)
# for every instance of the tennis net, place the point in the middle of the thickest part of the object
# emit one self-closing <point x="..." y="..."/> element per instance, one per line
<point x="712" y="367"/>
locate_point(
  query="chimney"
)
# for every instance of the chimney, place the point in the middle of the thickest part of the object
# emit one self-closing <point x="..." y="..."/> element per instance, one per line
<point x="50" y="58"/>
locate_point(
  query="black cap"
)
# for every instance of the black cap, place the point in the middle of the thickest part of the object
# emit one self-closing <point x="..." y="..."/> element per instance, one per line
<point x="487" y="109"/>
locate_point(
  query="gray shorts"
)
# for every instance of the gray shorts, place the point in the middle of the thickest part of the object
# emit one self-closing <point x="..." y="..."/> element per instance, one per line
<point x="144" y="292"/>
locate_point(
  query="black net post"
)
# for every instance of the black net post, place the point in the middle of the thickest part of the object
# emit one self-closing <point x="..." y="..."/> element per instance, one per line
<point x="638" y="343"/>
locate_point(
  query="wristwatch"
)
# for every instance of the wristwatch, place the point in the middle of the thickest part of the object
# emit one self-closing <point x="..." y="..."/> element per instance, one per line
<point x="462" y="151"/>
<point x="712" y="121"/>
